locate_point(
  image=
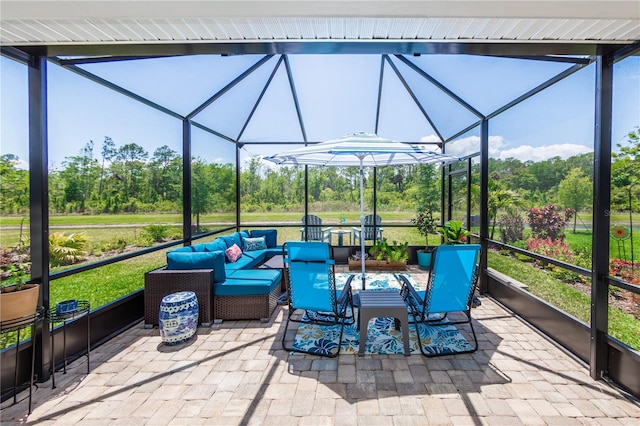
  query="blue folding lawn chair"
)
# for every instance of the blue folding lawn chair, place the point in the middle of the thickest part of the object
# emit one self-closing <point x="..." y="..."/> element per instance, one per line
<point x="450" y="289"/>
<point x="313" y="297"/>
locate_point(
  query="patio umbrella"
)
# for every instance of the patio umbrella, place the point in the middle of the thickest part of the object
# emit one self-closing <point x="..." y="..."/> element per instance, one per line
<point x="363" y="150"/>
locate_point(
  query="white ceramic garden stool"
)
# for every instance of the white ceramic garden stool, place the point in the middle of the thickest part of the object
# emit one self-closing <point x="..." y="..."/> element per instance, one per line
<point x="178" y="318"/>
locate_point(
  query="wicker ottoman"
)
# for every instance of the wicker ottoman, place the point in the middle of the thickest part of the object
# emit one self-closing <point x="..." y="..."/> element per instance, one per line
<point x="247" y="295"/>
<point x="160" y="282"/>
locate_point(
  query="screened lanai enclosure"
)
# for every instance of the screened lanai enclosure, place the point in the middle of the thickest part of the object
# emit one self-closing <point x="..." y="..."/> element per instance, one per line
<point x="139" y="148"/>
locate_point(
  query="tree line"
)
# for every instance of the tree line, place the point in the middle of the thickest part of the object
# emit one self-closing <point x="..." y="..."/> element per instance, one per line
<point x="127" y="179"/>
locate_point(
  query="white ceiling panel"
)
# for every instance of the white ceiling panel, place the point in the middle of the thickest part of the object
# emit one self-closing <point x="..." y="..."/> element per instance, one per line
<point x="526" y="29"/>
<point x="275" y="29"/>
<point x="11" y="32"/>
<point x="291" y="30"/>
<point x="130" y="29"/>
<point x="441" y="29"/>
<point x="490" y="28"/>
<point x="67" y="29"/>
<point x="584" y="30"/>
<point x="632" y="34"/>
<point x="203" y="27"/>
<point x="322" y="28"/>
<point x="607" y="29"/>
<point x="306" y="27"/>
<point x="183" y="26"/>
<point x="229" y="28"/>
<point x="474" y="27"/>
<point x="411" y="28"/>
<point x="566" y="27"/>
<point x="382" y="28"/>
<point x="46" y="32"/>
<point x="336" y="28"/>
<point x="458" y="26"/>
<point x="367" y="27"/>
<point x="247" y="28"/>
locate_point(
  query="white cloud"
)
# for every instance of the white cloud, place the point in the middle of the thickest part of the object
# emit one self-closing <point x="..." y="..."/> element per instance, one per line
<point x="430" y="139"/>
<point x="540" y="153"/>
<point x="498" y="148"/>
<point x="471" y="145"/>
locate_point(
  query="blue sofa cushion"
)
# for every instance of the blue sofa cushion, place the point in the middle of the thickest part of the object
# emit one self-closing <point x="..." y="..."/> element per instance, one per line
<point x="215" y="245"/>
<point x="254" y="274"/>
<point x="185" y="249"/>
<point x="245" y="262"/>
<point x="228" y="241"/>
<point x="270" y="252"/>
<point x="257" y="254"/>
<point x="200" y="248"/>
<point x="263" y="283"/>
<point x="237" y="238"/>
<point x="198" y="260"/>
<point x="270" y="236"/>
<point x="244" y="234"/>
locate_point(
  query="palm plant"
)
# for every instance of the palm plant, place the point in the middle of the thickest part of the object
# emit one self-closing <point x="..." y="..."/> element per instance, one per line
<point x="453" y="232"/>
<point x="66" y="249"/>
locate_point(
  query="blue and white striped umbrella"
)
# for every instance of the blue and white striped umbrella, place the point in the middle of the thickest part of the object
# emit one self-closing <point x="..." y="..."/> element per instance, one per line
<point x="364" y="150"/>
<point x="361" y="149"/>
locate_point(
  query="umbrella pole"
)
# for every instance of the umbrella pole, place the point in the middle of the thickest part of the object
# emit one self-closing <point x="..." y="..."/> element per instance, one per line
<point x="362" y="219"/>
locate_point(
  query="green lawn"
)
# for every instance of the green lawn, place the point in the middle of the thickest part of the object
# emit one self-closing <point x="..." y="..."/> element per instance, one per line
<point x="581" y="240"/>
<point x="622" y="326"/>
<point x="103" y="229"/>
<point x="105" y="284"/>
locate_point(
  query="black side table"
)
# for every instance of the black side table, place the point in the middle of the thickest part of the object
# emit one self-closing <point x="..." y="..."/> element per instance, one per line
<point x="18" y="325"/>
<point x="52" y="318"/>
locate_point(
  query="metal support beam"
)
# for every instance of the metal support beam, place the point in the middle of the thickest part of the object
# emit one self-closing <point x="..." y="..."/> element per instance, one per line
<point x="186" y="180"/>
<point x="414" y="97"/>
<point x="379" y="101"/>
<point x="306" y="200"/>
<point x="39" y="203"/>
<point x="601" y="207"/>
<point x="229" y="86"/>
<point x="262" y="92"/>
<point x="294" y="95"/>
<point x="119" y="89"/>
<point x="468" y="200"/>
<point x="375" y="204"/>
<point x="484" y="201"/>
<point x="238" y="198"/>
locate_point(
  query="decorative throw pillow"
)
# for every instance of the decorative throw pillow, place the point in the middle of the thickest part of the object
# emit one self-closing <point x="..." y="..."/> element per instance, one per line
<point x="233" y="253"/>
<point x="252" y="244"/>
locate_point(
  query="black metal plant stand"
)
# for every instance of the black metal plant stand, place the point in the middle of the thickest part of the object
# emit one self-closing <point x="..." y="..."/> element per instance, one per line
<point x="52" y="318"/>
<point x="17" y="325"/>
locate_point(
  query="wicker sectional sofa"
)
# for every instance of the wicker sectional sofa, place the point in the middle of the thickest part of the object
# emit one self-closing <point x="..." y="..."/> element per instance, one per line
<point x="225" y="290"/>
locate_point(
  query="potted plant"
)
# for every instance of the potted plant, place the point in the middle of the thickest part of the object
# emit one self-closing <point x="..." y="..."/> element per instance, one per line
<point x="20" y="298"/>
<point x="453" y="232"/>
<point x="425" y="224"/>
<point x="384" y="256"/>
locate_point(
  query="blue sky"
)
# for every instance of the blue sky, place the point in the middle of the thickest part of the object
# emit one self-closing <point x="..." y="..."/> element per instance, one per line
<point x="337" y="96"/>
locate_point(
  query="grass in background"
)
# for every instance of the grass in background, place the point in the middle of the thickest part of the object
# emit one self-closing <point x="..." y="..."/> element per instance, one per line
<point x="622" y="326"/>
<point x="103" y="285"/>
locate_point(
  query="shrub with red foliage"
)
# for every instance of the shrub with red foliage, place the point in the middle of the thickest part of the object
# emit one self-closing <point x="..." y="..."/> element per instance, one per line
<point x="548" y="222"/>
<point x="554" y="249"/>
<point x="626" y="270"/>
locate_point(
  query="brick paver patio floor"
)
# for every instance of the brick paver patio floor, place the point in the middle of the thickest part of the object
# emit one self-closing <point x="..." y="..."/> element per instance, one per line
<point x="237" y="373"/>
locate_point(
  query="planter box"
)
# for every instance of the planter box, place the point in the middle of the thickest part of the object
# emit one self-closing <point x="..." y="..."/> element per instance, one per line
<point x="375" y="265"/>
<point x="18" y="304"/>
